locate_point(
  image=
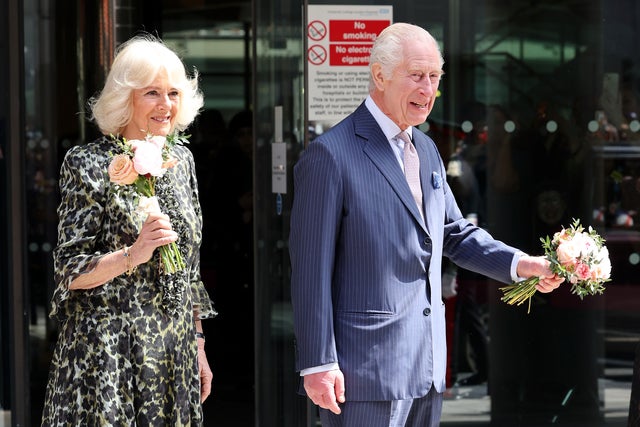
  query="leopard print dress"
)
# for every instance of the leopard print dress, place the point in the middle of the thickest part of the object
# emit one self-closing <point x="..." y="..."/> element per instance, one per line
<point x="126" y="354"/>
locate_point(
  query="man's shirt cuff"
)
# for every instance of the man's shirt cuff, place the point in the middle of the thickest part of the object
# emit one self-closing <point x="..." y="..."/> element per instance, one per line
<point x="322" y="368"/>
<point x="514" y="267"/>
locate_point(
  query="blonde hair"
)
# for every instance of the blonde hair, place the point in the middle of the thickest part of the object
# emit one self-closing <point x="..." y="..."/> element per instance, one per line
<point x="388" y="48"/>
<point x="137" y="63"/>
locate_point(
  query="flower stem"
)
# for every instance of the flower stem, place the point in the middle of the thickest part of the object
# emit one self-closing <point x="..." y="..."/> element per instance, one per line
<point x="520" y="292"/>
<point x="171" y="258"/>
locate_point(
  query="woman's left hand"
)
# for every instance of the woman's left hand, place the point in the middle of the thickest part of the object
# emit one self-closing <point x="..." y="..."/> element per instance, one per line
<point x="205" y="372"/>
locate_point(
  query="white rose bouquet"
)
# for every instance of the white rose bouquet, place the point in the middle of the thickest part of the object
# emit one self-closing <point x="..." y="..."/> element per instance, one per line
<point x="140" y="164"/>
<point x="579" y="256"/>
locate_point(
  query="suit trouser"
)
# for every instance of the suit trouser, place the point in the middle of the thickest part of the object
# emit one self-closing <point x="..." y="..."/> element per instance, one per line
<point x="421" y="412"/>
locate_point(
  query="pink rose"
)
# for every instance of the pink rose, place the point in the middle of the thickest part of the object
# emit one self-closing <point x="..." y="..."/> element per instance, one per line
<point x="567" y="252"/>
<point x="582" y="271"/>
<point x="121" y="170"/>
<point x="147" y="158"/>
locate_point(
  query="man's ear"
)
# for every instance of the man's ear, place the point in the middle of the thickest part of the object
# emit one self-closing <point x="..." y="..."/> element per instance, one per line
<point x="378" y="76"/>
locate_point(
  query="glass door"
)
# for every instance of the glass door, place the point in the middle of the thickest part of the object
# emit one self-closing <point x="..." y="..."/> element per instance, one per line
<point x="280" y="136"/>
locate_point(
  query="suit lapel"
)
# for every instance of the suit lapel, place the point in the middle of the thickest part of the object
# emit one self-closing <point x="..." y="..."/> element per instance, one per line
<point x="381" y="154"/>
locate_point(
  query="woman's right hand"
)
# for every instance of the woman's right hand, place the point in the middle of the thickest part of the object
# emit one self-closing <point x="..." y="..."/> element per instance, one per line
<point x="156" y="231"/>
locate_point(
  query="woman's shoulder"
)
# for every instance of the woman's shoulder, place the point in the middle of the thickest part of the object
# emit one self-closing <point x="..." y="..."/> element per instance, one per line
<point x="181" y="150"/>
<point x="101" y="147"/>
<point x="183" y="154"/>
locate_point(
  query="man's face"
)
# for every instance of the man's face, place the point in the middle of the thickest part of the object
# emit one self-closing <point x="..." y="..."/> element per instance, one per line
<point x="407" y="97"/>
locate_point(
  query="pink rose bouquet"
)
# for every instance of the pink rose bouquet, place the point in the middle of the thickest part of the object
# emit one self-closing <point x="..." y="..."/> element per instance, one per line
<point x="141" y="163"/>
<point x="577" y="255"/>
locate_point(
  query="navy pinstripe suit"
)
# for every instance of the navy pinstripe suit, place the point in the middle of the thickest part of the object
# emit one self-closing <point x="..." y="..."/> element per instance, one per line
<point x="365" y="268"/>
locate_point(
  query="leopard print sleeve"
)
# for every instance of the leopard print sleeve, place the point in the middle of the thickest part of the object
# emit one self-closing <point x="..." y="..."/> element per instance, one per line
<point x="82" y="190"/>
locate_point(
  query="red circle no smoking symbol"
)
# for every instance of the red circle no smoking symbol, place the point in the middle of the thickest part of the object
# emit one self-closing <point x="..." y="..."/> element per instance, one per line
<point x="316" y="30"/>
<point x="317" y="54"/>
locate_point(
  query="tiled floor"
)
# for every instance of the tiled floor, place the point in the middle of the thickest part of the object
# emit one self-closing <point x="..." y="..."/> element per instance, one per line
<point x="471" y="406"/>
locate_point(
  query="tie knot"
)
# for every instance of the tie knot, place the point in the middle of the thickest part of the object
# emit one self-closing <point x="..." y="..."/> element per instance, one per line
<point x="404" y="136"/>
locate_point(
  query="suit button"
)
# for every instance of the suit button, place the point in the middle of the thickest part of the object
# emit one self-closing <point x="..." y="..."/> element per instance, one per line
<point x="427" y="240"/>
<point x="426" y="311"/>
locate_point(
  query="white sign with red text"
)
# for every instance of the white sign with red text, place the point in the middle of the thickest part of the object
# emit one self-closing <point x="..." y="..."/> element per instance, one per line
<point x="339" y="41"/>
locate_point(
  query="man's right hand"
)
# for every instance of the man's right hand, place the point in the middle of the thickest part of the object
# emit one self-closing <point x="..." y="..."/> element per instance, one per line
<point x="326" y="389"/>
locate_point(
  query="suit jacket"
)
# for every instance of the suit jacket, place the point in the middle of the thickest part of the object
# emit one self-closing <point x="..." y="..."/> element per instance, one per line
<point x="366" y="269"/>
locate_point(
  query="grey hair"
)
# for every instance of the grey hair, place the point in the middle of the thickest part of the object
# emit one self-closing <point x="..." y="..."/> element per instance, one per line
<point x="388" y="48"/>
<point x="137" y="63"/>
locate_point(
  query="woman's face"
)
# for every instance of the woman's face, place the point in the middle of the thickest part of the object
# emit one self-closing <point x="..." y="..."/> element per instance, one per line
<point x="154" y="109"/>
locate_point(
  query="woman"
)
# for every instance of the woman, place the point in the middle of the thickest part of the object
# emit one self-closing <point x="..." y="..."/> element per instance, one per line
<point x="130" y="349"/>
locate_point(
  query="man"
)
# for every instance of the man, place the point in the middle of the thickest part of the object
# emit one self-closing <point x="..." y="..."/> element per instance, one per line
<point x="366" y="246"/>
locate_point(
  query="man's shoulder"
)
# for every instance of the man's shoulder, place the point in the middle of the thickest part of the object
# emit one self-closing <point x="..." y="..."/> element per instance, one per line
<point x="336" y="133"/>
<point x="350" y="126"/>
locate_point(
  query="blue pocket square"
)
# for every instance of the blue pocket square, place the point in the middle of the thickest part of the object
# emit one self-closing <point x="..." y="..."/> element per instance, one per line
<point x="436" y="180"/>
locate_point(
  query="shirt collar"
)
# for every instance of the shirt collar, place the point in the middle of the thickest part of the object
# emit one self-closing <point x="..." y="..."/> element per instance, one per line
<point x="389" y="128"/>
